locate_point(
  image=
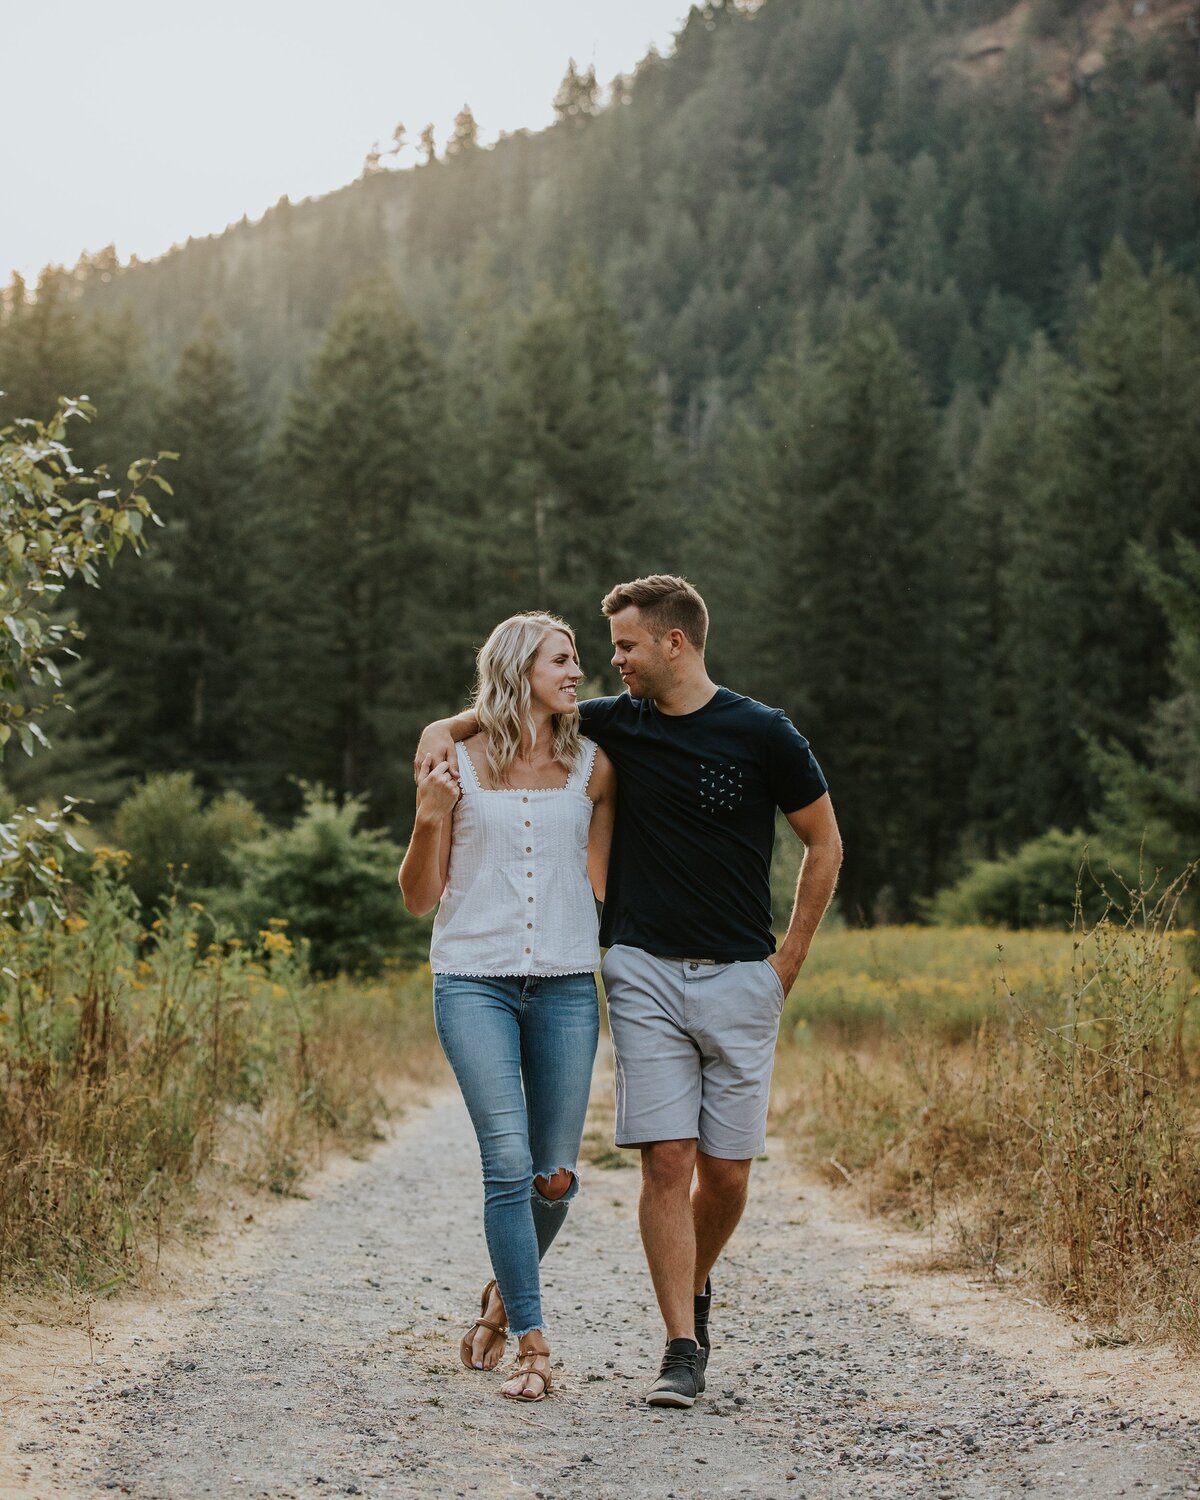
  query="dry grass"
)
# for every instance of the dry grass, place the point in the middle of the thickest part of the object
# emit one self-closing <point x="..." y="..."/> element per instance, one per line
<point x="130" y="1065"/>
<point x="1032" y="1102"/>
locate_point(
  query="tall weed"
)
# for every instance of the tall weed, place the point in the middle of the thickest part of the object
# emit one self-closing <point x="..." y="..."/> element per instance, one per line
<point x="1036" y="1104"/>
<point x="130" y="1061"/>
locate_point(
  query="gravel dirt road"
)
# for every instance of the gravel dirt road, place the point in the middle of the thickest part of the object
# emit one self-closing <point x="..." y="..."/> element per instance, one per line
<point x="317" y="1356"/>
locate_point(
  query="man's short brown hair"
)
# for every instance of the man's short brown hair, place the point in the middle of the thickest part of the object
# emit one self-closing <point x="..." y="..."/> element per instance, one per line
<point x="666" y="603"/>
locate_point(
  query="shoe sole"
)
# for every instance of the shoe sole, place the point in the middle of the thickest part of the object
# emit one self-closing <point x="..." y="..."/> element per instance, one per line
<point x="669" y="1398"/>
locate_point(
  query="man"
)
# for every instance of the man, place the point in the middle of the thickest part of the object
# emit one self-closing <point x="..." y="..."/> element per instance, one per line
<point x="694" y="983"/>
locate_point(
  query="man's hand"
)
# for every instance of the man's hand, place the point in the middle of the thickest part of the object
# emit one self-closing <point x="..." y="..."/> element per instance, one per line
<point x="436" y="747"/>
<point x="816" y="827"/>
<point x="788" y="968"/>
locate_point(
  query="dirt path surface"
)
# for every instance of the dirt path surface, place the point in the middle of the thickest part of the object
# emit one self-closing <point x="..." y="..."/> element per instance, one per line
<point x="322" y="1361"/>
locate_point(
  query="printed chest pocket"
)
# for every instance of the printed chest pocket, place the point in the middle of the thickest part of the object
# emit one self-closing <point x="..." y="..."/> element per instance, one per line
<point x="722" y="786"/>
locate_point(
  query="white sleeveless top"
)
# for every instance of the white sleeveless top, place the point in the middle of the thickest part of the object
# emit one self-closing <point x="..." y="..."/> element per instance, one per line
<point x="517" y="898"/>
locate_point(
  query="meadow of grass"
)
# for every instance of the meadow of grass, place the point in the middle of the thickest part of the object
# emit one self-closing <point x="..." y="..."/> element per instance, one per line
<point x="133" y="1066"/>
<point x="1030" y="1098"/>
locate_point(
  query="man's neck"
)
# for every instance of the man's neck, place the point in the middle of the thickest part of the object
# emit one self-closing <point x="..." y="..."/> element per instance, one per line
<point x="687" y="696"/>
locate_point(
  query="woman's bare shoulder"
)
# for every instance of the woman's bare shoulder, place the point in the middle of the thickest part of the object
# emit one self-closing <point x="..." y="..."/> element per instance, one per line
<point x="603" y="779"/>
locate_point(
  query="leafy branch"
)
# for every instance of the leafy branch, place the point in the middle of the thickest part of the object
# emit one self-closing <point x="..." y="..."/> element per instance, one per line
<point x="56" y="523"/>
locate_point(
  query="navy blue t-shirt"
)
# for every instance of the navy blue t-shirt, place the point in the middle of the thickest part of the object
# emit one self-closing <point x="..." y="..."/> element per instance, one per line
<point x="690" y="873"/>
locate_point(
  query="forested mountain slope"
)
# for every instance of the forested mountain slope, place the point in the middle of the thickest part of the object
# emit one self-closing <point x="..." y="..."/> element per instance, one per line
<point x="787" y="156"/>
<point x="879" y="318"/>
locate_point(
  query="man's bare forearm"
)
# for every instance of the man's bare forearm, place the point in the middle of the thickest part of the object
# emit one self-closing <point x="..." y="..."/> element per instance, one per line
<point x="463" y="725"/>
<point x="439" y="738"/>
<point x="814" y="891"/>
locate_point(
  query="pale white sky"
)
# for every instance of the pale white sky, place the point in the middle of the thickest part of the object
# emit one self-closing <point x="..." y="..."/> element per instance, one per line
<point x="140" y="122"/>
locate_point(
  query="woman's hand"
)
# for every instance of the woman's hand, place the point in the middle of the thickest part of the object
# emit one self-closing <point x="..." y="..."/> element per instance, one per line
<point x="438" y="789"/>
<point x="427" y="859"/>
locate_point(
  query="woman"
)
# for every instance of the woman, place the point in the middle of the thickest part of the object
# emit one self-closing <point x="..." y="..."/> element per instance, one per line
<point x="513" y="842"/>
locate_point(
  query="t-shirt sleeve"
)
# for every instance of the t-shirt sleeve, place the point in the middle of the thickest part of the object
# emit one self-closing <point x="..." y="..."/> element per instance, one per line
<point x="794" y="776"/>
<point x="596" y="717"/>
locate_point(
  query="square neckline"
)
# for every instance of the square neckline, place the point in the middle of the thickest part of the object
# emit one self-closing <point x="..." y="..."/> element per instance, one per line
<point x="488" y="791"/>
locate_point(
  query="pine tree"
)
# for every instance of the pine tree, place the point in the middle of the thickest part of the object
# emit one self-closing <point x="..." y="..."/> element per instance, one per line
<point x="866" y="635"/>
<point x="83" y="760"/>
<point x="173" y="637"/>
<point x="1017" y="669"/>
<point x="1128" y="470"/>
<point x="577" y="418"/>
<point x="1152" y="801"/>
<point x="464" y="138"/>
<point x="357" y="557"/>
<point x="42" y="349"/>
<point x="578" y="96"/>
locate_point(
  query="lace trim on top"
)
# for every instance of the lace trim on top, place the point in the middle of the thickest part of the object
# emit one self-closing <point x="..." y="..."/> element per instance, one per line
<point x="510" y="973"/>
<point x="587" y="766"/>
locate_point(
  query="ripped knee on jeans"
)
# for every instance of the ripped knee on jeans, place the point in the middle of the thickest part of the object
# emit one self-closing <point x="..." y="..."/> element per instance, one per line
<point x="558" y="1186"/>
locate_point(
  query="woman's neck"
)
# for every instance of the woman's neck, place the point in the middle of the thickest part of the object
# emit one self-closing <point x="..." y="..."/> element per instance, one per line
<point x="527" y="747"/>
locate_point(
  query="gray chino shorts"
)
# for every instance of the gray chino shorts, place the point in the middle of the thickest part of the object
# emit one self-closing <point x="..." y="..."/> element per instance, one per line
<point x="693" y="1046"/>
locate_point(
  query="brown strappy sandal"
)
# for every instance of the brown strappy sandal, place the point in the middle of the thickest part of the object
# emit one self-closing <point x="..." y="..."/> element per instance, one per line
<point x="523" y="1369"/>
<point x="498" y="1330"/>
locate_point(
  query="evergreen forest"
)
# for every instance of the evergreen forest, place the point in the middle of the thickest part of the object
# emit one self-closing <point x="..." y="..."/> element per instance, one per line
<point x="879" y="319"/>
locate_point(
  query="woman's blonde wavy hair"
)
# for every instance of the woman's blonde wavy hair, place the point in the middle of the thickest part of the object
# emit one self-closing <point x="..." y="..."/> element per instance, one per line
<point x="503" y="701"/>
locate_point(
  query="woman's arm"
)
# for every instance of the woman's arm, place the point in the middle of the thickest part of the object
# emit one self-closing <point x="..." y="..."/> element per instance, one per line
<point x="427" y="859"/>
<point x="602" y="788"/>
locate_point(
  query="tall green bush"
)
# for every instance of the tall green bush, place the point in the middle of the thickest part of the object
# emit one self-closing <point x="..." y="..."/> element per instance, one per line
<point x="331" y="883"/>
<point x="1037" y="885"/>
<point x="175" y="840"/>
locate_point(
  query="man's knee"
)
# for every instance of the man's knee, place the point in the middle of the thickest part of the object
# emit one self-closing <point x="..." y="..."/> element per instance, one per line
<point x="668" y="1164"/>
<point x="725" y="1179"/>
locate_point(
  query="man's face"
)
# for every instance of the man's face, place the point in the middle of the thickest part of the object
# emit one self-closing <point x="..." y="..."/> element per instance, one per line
<point x="640" y="657"/>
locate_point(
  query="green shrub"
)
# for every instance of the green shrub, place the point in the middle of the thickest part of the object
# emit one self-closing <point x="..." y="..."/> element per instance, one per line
<point x="332" y="883"/>
<point x="172" y="838"/>
<point x="1036" y="886"/>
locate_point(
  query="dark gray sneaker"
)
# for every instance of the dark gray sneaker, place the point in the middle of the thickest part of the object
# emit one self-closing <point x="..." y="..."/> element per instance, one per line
<point x="703" y="1306"/>
<point x="679" y="1380"/>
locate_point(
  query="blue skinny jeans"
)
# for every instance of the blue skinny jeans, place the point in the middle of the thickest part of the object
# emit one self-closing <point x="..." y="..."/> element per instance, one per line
<point x="522" y="1050"/>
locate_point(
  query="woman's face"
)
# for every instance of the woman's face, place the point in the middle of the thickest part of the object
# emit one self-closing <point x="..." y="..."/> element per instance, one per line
<point x="555" y="675"/>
